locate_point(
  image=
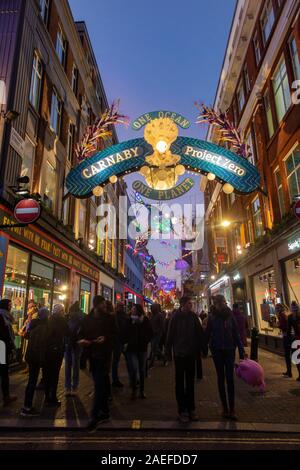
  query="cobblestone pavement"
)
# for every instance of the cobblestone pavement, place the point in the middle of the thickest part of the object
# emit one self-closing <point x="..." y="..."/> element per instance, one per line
<point x="280" y="404"/>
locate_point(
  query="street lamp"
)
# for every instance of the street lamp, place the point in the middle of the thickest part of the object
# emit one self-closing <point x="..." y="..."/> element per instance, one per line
<point x="225" y="223"/>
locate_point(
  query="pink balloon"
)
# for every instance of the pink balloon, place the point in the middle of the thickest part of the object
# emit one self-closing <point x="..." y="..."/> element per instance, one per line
<point x="252" y="373"/>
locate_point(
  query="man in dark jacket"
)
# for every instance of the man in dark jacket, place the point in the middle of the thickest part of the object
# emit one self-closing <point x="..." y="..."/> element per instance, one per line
<point x="185" y="337"/>
<point x="7" y="345"/>
<point x="35" y="357"/>
<point x="157" y="323"/>
<point x="98" y="335"/>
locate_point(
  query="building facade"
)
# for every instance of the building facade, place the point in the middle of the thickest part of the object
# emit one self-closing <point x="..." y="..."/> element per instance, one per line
<point x="50" y="90"/>
<point x="254" y="240"/>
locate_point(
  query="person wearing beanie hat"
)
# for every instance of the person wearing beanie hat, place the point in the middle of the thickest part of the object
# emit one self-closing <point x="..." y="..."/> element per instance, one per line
<point x="293" y="330"/>
<point x="55" y="348"/>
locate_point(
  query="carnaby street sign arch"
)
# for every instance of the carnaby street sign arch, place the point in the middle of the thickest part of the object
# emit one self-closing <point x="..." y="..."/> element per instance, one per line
<point x="196" y="155"/>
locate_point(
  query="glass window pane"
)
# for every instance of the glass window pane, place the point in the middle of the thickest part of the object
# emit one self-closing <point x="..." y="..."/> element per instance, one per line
<point x="41" y="267"/>
<point x="293" y="185"/>
<point x="50" y="185"/>
<point x="289" y="165"/>
<point x="61" y="286"/>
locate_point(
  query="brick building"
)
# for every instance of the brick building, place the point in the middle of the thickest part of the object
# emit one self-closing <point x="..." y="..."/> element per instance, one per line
<point x="254" y="240"/>
<point x="50" y="90"/>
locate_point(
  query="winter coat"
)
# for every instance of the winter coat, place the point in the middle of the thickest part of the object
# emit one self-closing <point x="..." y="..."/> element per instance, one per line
<point x="6" y="331"/>
<point x="241" y="322"/>
<point x="293" y="328"/>
<point x="222" y="332"/>
<point x="185" y="335"/>
<point x="138" y="335"/>
<point x="37" y="335"/>
<point x="95" y="326"/>
<point x="74" y="328"/>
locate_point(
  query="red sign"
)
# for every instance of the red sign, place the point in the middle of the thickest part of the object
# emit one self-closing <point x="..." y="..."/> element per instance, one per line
<point x="297" y="209"/>
<point x="27" y="211"/>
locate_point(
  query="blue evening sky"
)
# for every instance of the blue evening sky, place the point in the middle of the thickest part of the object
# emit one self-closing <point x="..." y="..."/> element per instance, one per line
<point x="158" y="55"/>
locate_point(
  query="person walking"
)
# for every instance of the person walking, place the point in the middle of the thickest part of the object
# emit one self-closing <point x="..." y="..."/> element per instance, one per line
<point x="282" y="316"/>
<point x="98" y="335"/>
<point x="35" y="358"/>
<point x="73" y="349"/>
<point x="7" y="337"/>
<point x="157" y="323"/>
<point x="293" y="330"/>
<point x="55" y="347"/>
<point x="223" y="337"/>
<point x="186" y="339"/>
<point x="137" y="337"/>
<point x="121" y="321"/>
<point x="241" y="322"/>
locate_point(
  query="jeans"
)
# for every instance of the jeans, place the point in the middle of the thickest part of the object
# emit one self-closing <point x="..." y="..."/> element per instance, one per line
<point x="4" y="380"/>
<point x="287" y="354"/>
<point x="224" y="364"/>
<point x="34" y="370"/>
<point x="117" y="351"/>
<point x="154" y="349"/>
<point x="72" y="366"/>
<point x="185" y="383"/>
<point x="101" y="389"/>
<point x="51" y="371"/>
<point x="137" y="366"/>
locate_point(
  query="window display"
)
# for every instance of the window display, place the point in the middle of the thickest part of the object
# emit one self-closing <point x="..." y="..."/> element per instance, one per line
<point x="41" y="282"/>
<point x="15" y="284"/>
<point x="292" y="269"/>
<point x="60" y="287"/>
<point x="85" y="294"/>
<point x="265" y="295"/>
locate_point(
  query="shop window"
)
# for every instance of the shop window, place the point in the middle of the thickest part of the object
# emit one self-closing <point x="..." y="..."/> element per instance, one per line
<point x="70" y="141"/>
<point x="265" y="295"/>
<point x="44" y="9"/>
<point x="93" y="227"/>
<point x="257" y="50"/>
<point x="106" y="292"/>
<point x="41" y="282"/>
<point x="56" y="112"/>
<point x="50" y="186"/>
<point x="269" y="115"/>
<point x="82" y="219"/>
<point x="257" y="219"/>
<point x="61" y="286"/>
<point x="281" y="89"/>
<point x="85" y="294"/>
<point x="28" y="158"/>
<point x="280" y="191"/>
<point x="249" y="142"/>
<point x="74" y="79"/>
<point x="295" y="58"/>
<point x="61" y="46"/>
<point x="66" y="202"/>
<point x="292" y="166"/>
<point x="15" y="285"/>
<point x="292" y="269"/>
<point x="36" y="81"/>
<point x="241" y="96"/>
<point x="267" y="20"/>
<point x="247" y="79"/>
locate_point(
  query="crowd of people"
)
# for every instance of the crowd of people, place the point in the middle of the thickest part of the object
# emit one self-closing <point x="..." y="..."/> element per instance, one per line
<point x="100" y="338"/>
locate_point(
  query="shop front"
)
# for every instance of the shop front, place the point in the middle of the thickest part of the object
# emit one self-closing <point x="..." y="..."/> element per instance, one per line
<point x="119" y="291"/>
<point x="131" y="297"/>
<point x="107" y="287"/>
<point x="222" y="287"/>
<point x="40" y="270"/>
<point x="291" y="268"/>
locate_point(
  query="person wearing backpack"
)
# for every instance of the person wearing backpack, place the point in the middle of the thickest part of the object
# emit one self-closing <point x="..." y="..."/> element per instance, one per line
<point x="35" y="358"/>
<point x="223" y="337"/>
<point x="73" y="349"/>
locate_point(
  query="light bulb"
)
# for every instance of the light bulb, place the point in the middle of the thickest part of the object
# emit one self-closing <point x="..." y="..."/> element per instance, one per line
<point x="228" y="189"/>
<point x="113" y="179"/>
<point x="98" y="191"/>
<point x="211" y="176"/>
<point x="161" y="146"/>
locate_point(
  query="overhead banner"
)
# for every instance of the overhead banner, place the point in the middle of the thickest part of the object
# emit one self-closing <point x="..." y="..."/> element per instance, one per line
<point x="163" y="195"/>
<point x="196" y="155"/>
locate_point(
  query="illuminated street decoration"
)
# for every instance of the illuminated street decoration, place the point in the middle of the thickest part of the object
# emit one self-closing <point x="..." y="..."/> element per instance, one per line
<point x="141" y="121"/>
<point x="162" y="156"/>
<point x="164" y="195"/>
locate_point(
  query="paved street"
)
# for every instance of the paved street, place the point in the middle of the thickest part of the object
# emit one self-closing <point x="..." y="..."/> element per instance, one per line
<point x="278" y="407"/>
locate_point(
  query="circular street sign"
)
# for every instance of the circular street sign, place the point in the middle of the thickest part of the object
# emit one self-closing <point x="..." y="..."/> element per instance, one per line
<point x="297" y="209"/>
<point x="27" y="211"/>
